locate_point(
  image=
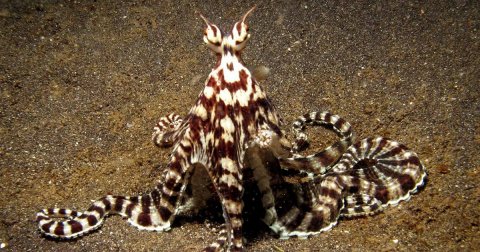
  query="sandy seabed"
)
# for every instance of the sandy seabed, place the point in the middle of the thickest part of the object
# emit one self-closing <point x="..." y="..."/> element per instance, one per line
<point x="83" y="82"/>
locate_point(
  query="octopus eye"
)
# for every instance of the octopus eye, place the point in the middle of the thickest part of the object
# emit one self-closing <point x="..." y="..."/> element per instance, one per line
<point x="213" y="38"/>
<point x="212" y="35"/>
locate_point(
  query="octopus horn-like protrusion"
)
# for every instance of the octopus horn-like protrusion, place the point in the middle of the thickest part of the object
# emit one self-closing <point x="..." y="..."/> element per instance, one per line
<point x="248" y="13"/>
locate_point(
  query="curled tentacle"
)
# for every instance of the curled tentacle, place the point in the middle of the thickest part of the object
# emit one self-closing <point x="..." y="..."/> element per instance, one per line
<point x="166" y="132"/>
<point x="372" y="174"/>
<point x="394" y="171"/>
<point x="320" y="162"/>
<point x="317" y="210"/>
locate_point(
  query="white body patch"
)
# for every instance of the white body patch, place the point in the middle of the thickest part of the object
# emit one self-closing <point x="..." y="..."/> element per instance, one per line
<point x="226" y="96"/>
<point x="201" y="112"/>
<point x="243" y="97"/>
<point x="231" y="76"/>
<point x="227" y="124"/>
<point x="208" y="92"/>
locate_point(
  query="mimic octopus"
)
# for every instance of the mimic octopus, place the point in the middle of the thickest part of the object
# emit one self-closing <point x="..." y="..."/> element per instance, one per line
<point x="232" y="135"/>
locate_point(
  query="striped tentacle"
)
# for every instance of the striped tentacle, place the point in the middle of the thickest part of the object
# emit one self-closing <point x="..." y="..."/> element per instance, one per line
<point x="220" y="243"/>
<point x="152" y="211"/>
<point x="322" y="202"/>
<point x="318" y="210"/>
<point x="262" y="178"/>
<point x="140" y="211"/>
<point x="166" y="132"/>
<point x="372" y="174"/>
<point x="394" y="171"/>
<point x="320" y="162"/>
<point x="262" y="156"/>
<point x="318" y="203"/>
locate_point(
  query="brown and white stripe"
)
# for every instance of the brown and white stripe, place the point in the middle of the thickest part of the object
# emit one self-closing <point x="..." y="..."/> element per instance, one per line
<point x="372" y="174"/>
<point x="140" y="211"/>
<point x="394" y="171"/>
<point x="165" y="133"/>
<point x="320" y="162"/>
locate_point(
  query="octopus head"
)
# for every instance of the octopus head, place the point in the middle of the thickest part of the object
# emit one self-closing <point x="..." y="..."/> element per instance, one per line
<point x="233" y="42"/>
